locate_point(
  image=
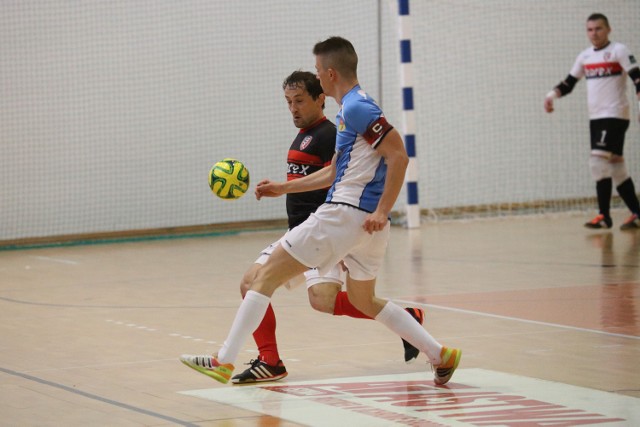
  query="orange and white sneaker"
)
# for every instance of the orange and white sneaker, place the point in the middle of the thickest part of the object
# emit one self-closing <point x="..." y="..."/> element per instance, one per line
<point x="600" y="221"/>
<point x="210" y="366"/>
<point x="450" y="360"/>
<point x="632" y="223"/>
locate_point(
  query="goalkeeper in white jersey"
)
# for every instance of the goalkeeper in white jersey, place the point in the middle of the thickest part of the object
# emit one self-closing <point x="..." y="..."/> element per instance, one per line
<point x="605" y="65"/>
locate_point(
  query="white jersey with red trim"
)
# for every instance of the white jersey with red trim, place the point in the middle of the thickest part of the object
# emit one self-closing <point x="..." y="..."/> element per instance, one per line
<point x="605" y="70"/>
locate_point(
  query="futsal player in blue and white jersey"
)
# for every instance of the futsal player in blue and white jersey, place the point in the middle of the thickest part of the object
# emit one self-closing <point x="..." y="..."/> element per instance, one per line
<point x="605" y="65"/>
<point x="366" y="175"/>
<point x="311" y="150"/>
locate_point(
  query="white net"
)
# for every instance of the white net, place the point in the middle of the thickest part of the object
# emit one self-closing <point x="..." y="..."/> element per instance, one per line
<point x="483" y="69"/>
<point x="113" y="112"/>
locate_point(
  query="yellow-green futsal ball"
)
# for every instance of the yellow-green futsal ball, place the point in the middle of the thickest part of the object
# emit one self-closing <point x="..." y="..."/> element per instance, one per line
<point x="229" y="179"/>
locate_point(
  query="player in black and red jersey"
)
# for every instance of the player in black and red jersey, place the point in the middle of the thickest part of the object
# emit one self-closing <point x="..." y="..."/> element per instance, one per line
<point x="605" y="65"/>
<point x="311" y="150"/>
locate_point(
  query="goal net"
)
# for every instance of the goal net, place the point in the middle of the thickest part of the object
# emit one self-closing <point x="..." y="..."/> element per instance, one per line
<point x="482" y="69"/>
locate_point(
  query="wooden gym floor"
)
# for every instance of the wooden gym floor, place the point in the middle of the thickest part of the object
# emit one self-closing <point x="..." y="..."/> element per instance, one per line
<point x="547" y="314"/>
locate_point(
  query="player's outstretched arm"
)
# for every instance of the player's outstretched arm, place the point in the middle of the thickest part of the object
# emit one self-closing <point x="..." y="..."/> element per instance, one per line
<point x="317" y="180"/>
<point x="266" y="188"/>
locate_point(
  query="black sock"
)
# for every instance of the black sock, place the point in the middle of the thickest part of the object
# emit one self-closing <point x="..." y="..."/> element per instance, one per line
<point x="627" y="192"/>
<point x="604" y="187"/>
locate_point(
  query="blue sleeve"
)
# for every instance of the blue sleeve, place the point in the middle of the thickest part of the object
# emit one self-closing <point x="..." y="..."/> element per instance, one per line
<point x="361" y="113"/>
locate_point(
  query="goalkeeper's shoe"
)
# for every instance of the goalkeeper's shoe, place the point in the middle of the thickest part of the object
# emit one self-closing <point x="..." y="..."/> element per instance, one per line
<point x="410" y="352"/>
<point x="600" y="221"/>
<point x="632" y="223"/>
<point x="210" y="366"/>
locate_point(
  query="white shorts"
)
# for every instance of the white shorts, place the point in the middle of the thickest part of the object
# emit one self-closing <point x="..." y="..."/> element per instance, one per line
<point x="312" y="277"/>
<point x="333" y="233"/>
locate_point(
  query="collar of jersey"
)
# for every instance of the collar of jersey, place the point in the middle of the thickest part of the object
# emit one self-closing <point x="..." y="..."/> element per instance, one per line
<point x="603" y="47"/>
<point x="313" y="125"/>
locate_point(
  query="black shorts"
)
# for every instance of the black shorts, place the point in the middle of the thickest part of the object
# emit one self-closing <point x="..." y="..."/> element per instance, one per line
<point x="608" y="135"/>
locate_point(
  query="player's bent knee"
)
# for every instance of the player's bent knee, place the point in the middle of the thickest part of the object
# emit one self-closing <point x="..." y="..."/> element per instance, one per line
<point x="600" y="167"/>
<point x="322" y="296"/>
<point x="322" y="305"/>
<point x="619" y="173"/>
<point x="247" y="279"/>
<point x="265" y="287"/>
<point x="245" y="283"/>
<point x="271" y="276"/>
<point x="244" y="287"/>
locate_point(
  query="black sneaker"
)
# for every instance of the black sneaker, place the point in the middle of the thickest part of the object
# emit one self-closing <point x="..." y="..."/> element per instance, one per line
<point x="632" y="223"/>
<point x="260" y="372"/>
<point x="410" y="352"/>
<point x="600" y="221"/>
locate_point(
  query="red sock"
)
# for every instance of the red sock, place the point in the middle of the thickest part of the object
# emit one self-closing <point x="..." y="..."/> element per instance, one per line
<point x="265" y="337"/>
<point x="343" y="307"/>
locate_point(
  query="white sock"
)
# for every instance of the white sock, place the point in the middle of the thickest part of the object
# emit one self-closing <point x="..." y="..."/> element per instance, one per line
<point x="403" y="324"/>
<point x="248" y="318"/>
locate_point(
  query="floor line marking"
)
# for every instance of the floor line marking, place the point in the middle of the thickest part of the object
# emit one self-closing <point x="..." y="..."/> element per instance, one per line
<point x="61" y="261"/>
<point x="517" y="319"/>
<point x="101" y="365"/>
<point x="98" y="398"/>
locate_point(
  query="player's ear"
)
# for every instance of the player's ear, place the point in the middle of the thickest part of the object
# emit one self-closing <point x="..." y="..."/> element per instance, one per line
<point x="321" y="99"/>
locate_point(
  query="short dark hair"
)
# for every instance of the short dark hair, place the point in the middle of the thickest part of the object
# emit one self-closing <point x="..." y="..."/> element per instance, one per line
<point x="339" y="54"/>
<point x="597" y="16"/>
<point x="306" y="80"/>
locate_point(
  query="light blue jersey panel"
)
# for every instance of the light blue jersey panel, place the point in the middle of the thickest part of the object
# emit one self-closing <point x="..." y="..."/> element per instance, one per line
<point x="360" y="170"/>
